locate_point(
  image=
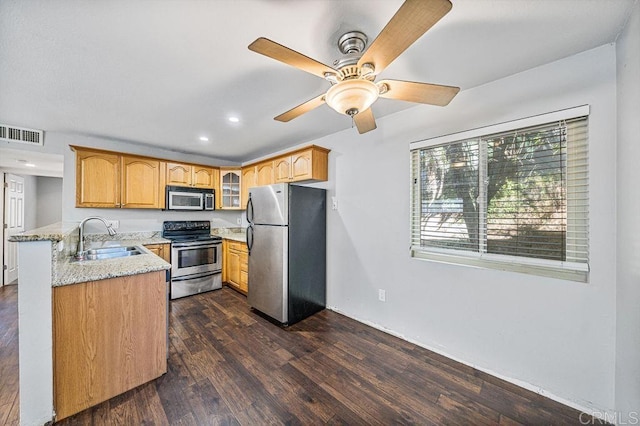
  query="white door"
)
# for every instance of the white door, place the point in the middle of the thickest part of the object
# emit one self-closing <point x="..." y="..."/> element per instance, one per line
<point x="13" y="223"/>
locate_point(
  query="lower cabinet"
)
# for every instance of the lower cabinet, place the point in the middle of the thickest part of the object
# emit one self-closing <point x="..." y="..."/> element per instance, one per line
<point x="109" y="336"/>
<point x="236" y="265"/>
<point x="161" y="250"/>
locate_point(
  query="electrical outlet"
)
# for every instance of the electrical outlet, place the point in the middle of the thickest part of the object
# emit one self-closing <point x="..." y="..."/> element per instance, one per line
<point x="334" y="203"/>
<point x="239" y="220"/>
<point x="382" y="295"/>
<point x="115" y="224"/>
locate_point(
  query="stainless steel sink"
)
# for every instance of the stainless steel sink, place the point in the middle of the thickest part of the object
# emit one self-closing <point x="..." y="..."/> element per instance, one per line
<point x="110" y="253"/>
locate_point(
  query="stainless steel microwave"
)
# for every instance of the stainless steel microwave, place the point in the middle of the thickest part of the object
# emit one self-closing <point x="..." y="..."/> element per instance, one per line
<point x="188" y="198"/>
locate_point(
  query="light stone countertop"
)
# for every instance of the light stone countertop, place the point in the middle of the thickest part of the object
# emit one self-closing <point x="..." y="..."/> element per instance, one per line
<point x="234" y="234"/>
<point x="65" y="270"/>
<point x="73" y="272"/>
<point x="69" y="271"/>
<point x="55" y="232"/>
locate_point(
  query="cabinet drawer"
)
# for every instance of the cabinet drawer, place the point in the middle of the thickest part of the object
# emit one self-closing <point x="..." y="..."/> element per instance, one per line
<point x="238" y="246"/>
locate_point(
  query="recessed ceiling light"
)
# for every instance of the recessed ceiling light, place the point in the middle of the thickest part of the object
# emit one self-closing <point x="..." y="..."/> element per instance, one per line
<point x="29" y="164"/>
<point x="204" y="139"/>
<point x="234" y="119"/>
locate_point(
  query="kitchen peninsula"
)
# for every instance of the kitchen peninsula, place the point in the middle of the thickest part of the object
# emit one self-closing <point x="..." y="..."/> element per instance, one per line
<point x="61" y="300"/>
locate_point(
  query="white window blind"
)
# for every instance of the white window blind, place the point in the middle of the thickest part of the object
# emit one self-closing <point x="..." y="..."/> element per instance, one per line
<point x="516" y="199"/>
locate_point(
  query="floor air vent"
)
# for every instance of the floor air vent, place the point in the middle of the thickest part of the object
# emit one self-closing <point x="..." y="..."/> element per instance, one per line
<point x="21" y="135"/>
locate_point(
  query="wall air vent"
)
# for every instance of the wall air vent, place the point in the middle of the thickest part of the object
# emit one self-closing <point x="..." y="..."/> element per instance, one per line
<point x="21" y="135"/>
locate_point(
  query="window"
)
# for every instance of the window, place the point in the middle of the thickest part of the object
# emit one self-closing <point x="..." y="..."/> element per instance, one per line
<point x="513" y="196"/>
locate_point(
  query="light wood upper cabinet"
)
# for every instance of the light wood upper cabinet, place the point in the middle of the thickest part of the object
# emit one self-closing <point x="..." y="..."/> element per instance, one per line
<point x="110" y="180"/>
<point x="142" y="186"/>
<point x="115" y="180"/>
<point x="230" y="188"/>
<point x="248" y="181"/>
<point x="282" y="169"/>
<point x="308" y="164"/>
<point x="97" y="179"/>
<point x="181" y="174"/>
<point x="203" y="177"/>
<point x="302" y="166"/>
<point x="264" y="173"/>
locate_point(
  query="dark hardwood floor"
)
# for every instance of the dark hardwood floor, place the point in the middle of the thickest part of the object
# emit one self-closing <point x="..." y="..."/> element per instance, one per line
<point x="229" y="365"/>
<point x="9" y="408"/>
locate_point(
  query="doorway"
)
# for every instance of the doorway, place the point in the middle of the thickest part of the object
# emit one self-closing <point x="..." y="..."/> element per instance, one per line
<point x="13" y="224"/>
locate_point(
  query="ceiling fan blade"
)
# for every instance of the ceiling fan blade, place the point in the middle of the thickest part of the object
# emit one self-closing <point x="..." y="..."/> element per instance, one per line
<point x="301" y="109"/>
<point x="282" y="53"/>
<point x="365" y="121"/>
<point x="424" y="93"/>
<point x="410" y="22"/>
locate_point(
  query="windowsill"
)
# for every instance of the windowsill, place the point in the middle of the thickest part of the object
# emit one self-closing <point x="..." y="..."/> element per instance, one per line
<point x="564" y="270"/>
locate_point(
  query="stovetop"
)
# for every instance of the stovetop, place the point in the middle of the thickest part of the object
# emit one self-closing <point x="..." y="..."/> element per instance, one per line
<point x="188" y="238"/>
<point x="188" y="230"/>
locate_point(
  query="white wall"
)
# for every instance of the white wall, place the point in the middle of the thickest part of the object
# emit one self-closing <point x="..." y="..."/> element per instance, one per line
<point x="49" y="200"/>
<point x="628" y="205"/>
<point x="551" y="335"/>
<point x="30" y="201"/>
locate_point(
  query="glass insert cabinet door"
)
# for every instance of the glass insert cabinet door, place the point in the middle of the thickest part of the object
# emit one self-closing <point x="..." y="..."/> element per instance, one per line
<point x="230" y="185"/>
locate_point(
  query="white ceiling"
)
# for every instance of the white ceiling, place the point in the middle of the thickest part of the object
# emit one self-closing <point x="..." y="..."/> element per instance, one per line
<point x="165" y="72"/>
<point x="30" y="163"/>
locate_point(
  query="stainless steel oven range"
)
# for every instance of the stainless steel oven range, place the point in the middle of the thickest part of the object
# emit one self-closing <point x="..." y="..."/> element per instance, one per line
<point x="196" y="257"/>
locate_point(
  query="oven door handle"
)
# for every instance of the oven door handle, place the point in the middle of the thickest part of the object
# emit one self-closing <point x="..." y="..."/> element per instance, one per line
<point x="191" y="277"/>
<point x="195" y="246"/>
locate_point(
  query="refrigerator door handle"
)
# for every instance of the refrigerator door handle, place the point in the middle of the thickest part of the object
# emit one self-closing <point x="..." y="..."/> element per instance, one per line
<point x="249" y="239"/>
<point x="249" y="209"/>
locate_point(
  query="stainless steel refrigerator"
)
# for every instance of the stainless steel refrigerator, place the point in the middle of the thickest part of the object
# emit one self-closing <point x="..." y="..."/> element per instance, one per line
<point x="286" y="238"/>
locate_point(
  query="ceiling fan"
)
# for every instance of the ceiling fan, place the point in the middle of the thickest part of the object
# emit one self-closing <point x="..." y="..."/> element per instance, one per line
<point x="353" y="88"/>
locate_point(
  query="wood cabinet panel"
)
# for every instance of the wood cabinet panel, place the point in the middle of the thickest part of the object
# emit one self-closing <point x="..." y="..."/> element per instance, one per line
<point x="230" y="189"/>
<point x="161" y="250"/>
<point x="142" y="183"/>
<point x="97" y="179"/>
<point x="248" y="181"/>
<point x="301" y="166"/>
<point x="178" y="174"/>
<point x="236" y="265"/>
<point x="282" y="169"/>
<point x="264" y="173"/>
<point x="203" y="177"/>
<point x="109" y="337"/>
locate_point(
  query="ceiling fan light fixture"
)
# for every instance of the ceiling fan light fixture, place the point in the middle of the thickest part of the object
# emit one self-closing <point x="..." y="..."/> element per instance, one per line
<point x="350" y="95"/>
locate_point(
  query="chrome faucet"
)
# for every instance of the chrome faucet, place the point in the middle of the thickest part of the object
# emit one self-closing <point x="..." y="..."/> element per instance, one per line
<point x="80" y="252"/>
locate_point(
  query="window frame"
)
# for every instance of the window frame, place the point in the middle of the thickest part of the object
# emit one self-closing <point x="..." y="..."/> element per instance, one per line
<point x="573" y="271"/>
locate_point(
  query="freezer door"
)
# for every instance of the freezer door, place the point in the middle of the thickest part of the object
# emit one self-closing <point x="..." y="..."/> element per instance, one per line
<point x="268" y="271"/>
<point x="269" y="204"/>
